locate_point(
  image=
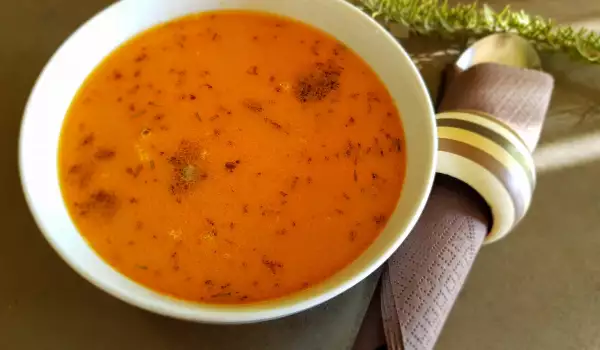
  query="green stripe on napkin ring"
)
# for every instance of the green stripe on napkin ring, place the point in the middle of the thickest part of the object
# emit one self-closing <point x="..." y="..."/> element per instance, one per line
<point x="489" y="157"/>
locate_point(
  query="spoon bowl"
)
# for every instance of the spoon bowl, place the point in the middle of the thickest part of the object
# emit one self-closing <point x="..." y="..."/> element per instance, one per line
<point x="503" y="48"/>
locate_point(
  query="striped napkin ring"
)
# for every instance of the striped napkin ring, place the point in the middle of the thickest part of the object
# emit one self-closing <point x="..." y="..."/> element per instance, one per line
<point x="490" y="157"/>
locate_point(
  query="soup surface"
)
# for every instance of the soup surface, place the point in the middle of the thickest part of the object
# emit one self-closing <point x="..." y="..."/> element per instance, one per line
<point x="231" y="157"/>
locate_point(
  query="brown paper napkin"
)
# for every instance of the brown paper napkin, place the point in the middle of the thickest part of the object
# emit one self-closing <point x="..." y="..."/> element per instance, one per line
<point x="422" y="280"/>
<point x="518" y="97"/>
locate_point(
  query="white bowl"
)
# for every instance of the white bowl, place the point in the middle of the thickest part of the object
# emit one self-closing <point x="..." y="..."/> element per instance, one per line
<point x="94" y="40"/>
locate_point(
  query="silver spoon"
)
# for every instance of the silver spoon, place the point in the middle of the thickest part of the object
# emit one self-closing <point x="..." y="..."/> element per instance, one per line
<point x="502" y="48"/>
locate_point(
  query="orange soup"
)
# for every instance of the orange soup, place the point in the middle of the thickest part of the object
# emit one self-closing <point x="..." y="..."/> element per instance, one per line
<point x="231" y="157"/>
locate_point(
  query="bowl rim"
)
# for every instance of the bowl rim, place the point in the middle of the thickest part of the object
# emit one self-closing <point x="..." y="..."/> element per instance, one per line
<point x="240" y="317"/>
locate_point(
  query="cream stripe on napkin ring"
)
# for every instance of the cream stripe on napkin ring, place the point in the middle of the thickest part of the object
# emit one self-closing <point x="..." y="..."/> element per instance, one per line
<point x="490" y="158"/>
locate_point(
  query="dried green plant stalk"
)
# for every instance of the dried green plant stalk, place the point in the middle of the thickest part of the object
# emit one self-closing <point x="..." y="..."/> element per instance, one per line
<point x="437" y="17"/>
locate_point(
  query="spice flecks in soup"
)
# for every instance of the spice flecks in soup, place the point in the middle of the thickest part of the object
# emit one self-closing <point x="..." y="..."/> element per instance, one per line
<point x="231" y="157"/>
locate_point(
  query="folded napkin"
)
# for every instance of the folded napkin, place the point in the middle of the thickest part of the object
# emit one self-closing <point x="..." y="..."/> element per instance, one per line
<point x="421" y="281"/>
